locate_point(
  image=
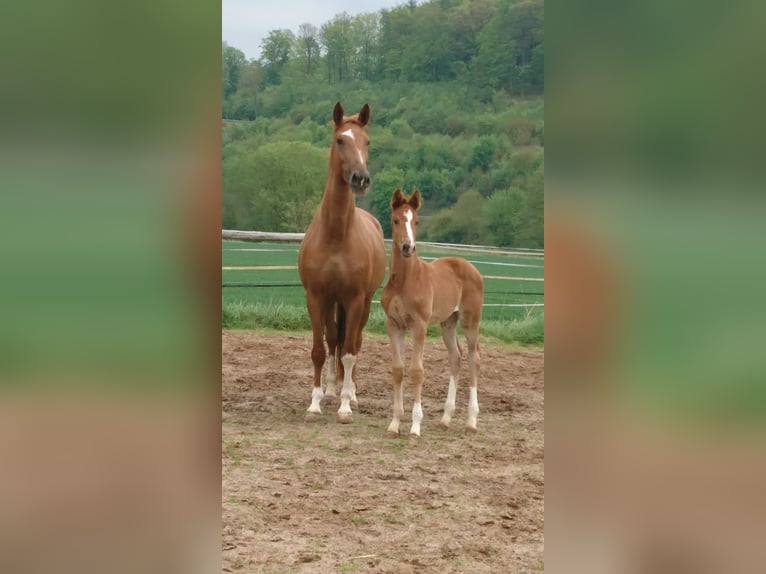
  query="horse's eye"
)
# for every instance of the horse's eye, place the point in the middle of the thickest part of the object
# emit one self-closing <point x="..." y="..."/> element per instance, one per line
<point x="396" y="222"/>
<point x="340" y="141"/>
<point x="417" y="223"/>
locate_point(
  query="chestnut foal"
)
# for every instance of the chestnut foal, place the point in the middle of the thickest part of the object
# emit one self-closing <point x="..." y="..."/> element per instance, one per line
<point x="418" y="293"/>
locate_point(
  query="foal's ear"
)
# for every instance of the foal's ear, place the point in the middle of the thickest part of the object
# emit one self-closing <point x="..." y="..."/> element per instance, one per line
<point x="364" y="114"/>
<point x="337" y="114"/>
<point x="415" y="201"/>
<point x="398" y="199"/>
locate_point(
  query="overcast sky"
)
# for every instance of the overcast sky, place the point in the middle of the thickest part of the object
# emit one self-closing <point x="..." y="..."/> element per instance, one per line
<point x="247" y="22"/>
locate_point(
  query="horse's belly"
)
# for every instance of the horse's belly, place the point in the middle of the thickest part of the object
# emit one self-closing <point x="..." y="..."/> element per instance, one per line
<point x="442" y="309"/>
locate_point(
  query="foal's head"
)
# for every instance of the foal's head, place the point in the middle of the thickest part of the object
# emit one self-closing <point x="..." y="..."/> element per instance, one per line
<point x="349" y="145"/>
<point x="404" y="220"/>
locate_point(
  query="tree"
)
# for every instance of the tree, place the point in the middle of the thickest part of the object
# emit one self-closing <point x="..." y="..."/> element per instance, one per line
<point x="366" y="42"/>
<point x="335" y="36"/>
<point x="531" y="223"/>
<point x="308" y="45"/>
<point x="233" y="60"/>
<point x="501" y="213"/>
<point x="525" y="28"/>
<point x="383" y="185"/>
<point x="465" y="21"/>
<point x="241" y="105"/>
<point x="277" y="187"/>
<point x="483" y="152"/>
<point x="275" y="52"/>
<point x="461" y="223"/>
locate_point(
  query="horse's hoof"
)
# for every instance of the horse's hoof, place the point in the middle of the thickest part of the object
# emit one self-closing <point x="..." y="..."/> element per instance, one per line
<point x="345" y="418"/>
<point x="444" y="424"/>
<point x="312" y="417"/>
<point x="414" y="437"/>
<point x="392" y="434"/>
<point x="470" y="429"/>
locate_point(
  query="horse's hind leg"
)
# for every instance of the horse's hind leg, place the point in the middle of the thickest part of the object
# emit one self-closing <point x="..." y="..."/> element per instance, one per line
<point x="474" y="362"/>
<point x="331" y="333"/>
<point x="417" y="375"/>
<point x="449" y="334"/>
<point x="365" y="316"/>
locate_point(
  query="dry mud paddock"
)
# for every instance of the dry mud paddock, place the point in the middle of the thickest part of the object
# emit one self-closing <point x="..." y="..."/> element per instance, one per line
<point x="324" y="497"/>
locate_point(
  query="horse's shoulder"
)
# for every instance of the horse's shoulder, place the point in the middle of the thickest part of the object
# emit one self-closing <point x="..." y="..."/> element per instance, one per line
<point x="370" y="219"/>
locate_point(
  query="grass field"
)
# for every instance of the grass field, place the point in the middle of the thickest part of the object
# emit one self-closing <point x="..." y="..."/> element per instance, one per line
<point x="284" y="307"/>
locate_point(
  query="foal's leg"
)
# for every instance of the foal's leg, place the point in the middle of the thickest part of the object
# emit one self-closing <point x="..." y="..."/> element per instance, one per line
<point x="396" y="337"/>
<point x="331" y="333"/>
<point x="317" y="312"/>
<point x="416" y="375"/>
<point x="449" y="334"/>
<point x="348" y="356"/>
<point x="474" y="360"/>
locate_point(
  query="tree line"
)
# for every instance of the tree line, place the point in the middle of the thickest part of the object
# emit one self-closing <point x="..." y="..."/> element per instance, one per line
<point x="455" y="88"/>
<point x="498" y="44"/>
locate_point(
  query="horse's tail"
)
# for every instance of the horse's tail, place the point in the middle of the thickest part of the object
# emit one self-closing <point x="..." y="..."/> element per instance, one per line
<point x="340" y="319"/>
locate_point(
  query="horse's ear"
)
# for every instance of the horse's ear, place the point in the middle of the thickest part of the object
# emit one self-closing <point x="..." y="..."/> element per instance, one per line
<point x="398" y="199"/>
<point x="415" y="201"/>
<point x="364" y="114"/>
<point x="337" y="115"/>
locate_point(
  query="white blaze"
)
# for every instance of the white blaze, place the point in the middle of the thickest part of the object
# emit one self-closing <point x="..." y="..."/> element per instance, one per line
<point x="408" y="226"/>
<point x="350" y="134"/>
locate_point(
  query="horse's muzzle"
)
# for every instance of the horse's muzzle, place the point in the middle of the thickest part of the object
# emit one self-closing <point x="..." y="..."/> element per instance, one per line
<point x="360" y="181"/>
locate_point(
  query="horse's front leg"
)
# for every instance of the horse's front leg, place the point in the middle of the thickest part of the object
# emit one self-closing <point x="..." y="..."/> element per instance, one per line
<point x="396" y="337"/>
<point x="417" y="375"/>
<point x="348" y="356"/>
<point x="317" y="315"/>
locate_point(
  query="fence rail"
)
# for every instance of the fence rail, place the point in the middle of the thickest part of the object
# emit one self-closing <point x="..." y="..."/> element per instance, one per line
<point x="257" y="236"/>
<point x="275" y="237"/>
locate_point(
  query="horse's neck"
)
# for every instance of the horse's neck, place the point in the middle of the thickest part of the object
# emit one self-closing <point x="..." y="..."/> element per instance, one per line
<point x="402" y="268"/>
<point x="338" y="207"/>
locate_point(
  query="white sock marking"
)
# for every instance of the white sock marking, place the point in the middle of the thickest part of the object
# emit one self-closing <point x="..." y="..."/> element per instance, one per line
<point x="449" y="405"/>
<point x="417" y="416"/>
<point x="316" y="398"/>
<point x="473" y="408"/>
<point x="347" y="391"/>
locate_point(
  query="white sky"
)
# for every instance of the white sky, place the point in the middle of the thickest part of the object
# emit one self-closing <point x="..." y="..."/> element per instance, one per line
<point x="247" y="22"/>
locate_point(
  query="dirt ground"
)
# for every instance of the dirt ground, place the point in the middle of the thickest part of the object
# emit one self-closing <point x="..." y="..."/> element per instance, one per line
<point x="324" y="497"/>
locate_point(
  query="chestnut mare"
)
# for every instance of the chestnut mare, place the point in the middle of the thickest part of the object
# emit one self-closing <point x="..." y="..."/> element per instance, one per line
<point x="417" y="294"/>
<point x="342" y="261"/>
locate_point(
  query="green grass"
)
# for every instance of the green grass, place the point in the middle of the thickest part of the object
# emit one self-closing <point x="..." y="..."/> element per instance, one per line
<point x="284" y="308"/>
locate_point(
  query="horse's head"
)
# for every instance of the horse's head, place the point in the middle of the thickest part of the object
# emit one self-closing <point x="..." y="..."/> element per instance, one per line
<point x="349" y="146"/>
<point x="404" y="220"/>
